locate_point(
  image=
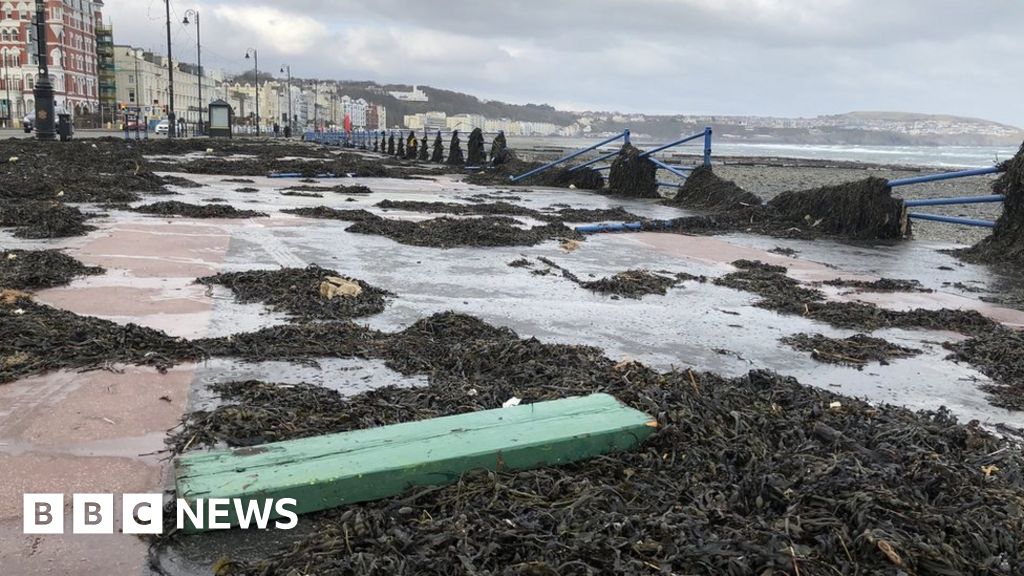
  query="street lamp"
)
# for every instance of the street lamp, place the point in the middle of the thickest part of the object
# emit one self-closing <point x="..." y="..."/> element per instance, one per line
<point x="7" y="86"/>
<point x="256" y="69"/>
<point x="287" y="67"/>
<point x="171" y="119"/>
<point x="199" y="62"/>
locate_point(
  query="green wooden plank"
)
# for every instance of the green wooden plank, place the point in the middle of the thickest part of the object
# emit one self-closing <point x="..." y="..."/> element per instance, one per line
<point x="338" y="469"/>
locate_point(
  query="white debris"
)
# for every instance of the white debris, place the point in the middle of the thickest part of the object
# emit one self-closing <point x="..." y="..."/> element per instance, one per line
<point x="513" y="401"/>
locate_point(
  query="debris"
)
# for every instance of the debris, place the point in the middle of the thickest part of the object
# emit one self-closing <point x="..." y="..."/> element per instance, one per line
<point x="335" y="286"/>
<point x="328" y="471"/>
<point x="326" y="213"/>
<point x="445" y="232"/>
<point x="857" y="350"/>
<point x="632" y="175"/>
<point x="411" y="146"/>
<point x="500" y="152"/>
<point x="175" y="208"/>
<point x="43" y="219"/>
<point x="301" y="292"/>
<point x="36" y="269"/>
<point x="998" y="354"/>
<point x="705" y="190"/>
<point x="1006" y="243"/>
<point x="865" y="209"/>
<point x="455" y="151"/>
<point x="437" y="156"/>
<point x="787" y="296"/>
<point x="756" y="453"/>
<point x="880" y="285"/>
<point x="476" y="156"/>
<point x="44" y="338"/>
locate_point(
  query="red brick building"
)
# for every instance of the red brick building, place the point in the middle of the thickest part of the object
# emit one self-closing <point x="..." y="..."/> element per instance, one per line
<point x="72" y="58"/>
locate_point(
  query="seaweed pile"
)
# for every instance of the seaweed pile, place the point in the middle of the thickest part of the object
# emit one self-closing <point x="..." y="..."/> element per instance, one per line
<point x="507" y="209"/>
<point x="412" y="147"/>
<point x="180" y="182"/>
<point x="175" y="208"/>
<point x="500" y="152"/>
<point x="785" y="295"/>
<point x="240" y="147"/>
<point x="1006" y="243"/>
<point x="437" y="155"/>
<point x="880" y="285"/>
<point x="455" y="157"/>
<point x="705" y="190"/>
<point x="35" y="338"/>
<point x="752" y="475"/>
<point x="476" y="153"/>
<point x="298" y="292"/>
<point x="97" y="170"/>
<point x="864" y="209"/>
<point x="286" y="192"/>
<point x="327" y="213"/>
<point x="557" y="177"/>
<point x="998" y="354"/>
<point x="857" y="350"/>
<point x="341" y="164"/>
<point x="355" y="189"/>
<point x="445" y="232"/>
<point x="36" y="269"/>
<point x="632" y="284"/>
<point x="633" y="175"/>
<point x="38" y="219"/>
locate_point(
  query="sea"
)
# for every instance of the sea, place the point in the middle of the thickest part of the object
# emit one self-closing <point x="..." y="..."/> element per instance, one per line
<point x="936" y="156"/>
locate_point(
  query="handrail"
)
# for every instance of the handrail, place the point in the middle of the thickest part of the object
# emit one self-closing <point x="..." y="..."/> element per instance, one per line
<point x="944" y="176"/>
<point x="549" y="165"/>
<point x="955" y="200"/>
<point x="951" y="219"/>
<point x="594" y="161"/>
<point x="676" y="143"/>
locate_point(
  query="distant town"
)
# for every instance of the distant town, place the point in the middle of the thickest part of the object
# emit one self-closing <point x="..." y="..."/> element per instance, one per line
<point x="99" y="82"/>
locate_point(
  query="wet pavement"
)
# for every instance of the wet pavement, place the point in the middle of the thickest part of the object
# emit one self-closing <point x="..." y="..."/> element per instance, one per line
<point x="103" y="430"/>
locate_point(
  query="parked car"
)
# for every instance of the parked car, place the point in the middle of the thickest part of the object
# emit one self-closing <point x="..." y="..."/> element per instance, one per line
<point x="134" y="125"/>
<point x="28" y="123"/>
<point x="162" y="128"/>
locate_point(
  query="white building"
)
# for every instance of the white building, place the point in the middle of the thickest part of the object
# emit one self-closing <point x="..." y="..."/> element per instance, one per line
<point x="414" y="95"/>
<point x="142" y="81"/>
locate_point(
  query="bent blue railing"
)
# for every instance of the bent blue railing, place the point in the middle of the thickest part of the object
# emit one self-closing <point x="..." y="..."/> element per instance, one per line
<point x="949" y="201"/>
<point x="625" y="138"/>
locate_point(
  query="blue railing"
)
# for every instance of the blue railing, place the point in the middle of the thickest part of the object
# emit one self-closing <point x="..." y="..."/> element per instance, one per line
<point x="624" y="136"/>
<point x="949" y="201"/>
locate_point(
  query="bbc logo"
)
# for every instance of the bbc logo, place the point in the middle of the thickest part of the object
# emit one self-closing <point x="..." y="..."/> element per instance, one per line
<point x="144" y="513"/>
<point x="93" y="513"/>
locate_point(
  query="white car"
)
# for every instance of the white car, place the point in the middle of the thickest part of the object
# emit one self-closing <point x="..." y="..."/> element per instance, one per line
<point x="162" y="128"/>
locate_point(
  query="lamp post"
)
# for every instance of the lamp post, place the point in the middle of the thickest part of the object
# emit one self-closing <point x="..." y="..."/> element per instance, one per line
<point x="288" y="68"/>
<point x="7" y="86"/>
<point x="138" y="90"/>
<point x="171" y="117"/>
<point x="256" y="70"/>
<point x="43" y="91"/>
<point x="199" y="62"/>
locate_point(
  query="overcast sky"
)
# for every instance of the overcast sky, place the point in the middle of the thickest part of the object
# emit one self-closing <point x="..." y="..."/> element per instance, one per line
<point x="764" y="57"/>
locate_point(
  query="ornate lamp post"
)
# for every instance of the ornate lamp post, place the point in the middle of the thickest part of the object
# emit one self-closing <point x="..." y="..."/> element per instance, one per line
<point x="256" y="68"/>
<point x="194" y="14"/>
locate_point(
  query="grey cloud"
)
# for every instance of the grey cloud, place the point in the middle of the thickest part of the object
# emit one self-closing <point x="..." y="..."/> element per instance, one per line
<point x="792" y="57"/>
